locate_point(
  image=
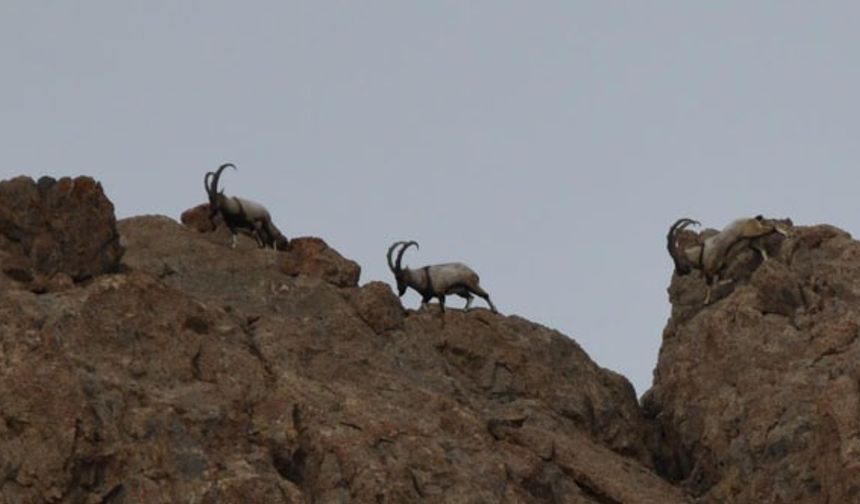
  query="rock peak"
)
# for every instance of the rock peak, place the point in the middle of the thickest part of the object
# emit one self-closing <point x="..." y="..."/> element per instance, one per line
<point x="756" y="395"/>
<point x="193" y="372"/>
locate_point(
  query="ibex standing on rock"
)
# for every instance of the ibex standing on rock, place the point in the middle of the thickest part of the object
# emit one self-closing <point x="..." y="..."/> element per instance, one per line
<point x="241" y="213"/>
<point x="710" y="256"/>
<point x="438" y="280"/>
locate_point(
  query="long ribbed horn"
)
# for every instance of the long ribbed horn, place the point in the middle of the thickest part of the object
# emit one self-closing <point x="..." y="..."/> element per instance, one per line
<point x="388" y="255"/>
<point x="206" y="184"/>
<point x="213" y="187"/>
<point x="400" y="254"/>
<point x="672" y="247"/>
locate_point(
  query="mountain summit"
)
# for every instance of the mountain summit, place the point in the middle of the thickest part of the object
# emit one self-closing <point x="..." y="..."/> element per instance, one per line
<point x="146" y="361"/>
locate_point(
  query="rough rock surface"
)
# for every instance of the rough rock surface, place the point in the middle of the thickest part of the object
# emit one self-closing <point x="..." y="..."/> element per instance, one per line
<point x="206" y="374"/>
<point x="198" y="218"/>
<point x="313" y="257"/>
<point x="757" y="394"/>
<point x="54" y="232"/>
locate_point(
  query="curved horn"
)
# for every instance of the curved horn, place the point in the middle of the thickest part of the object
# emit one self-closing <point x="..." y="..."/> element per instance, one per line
<point x="206" y="184"/>
<point x="213" y="187"/>
<point x="390" y="250"/>
<point x="680" y="267"/>
<point x="400" y="254"/>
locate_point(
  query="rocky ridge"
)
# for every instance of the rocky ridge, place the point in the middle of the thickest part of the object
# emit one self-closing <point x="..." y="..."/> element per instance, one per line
<point x="756" y="395"/>
<point x="190" y="372"/>
<point x="146" y="361"/>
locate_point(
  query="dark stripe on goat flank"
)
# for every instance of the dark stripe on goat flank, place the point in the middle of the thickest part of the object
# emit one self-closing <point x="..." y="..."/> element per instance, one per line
<point x="242" y="212"/>
<point x="702" y="256"/>
<point x="430" y="289"/>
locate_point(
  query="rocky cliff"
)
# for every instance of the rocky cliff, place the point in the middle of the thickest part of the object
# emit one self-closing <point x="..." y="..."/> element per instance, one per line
<point x="756" y="395"/>
<point x="146" y="361"/>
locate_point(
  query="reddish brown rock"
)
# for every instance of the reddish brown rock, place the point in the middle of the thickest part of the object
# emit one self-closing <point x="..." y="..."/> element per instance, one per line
<point x="55" y="283"/>
<point x="205" y="374"/>
<point x="377" y="305"/>
<point x="756" y="394"/>
<point x="16" y="267"/>
<point x="57" y="227"/>
<point x="313" y="257"/>
<point x="197" y="218"/>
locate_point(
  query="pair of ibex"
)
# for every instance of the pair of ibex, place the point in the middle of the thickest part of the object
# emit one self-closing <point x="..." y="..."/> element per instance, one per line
<point x="440" y="280"/>
<point x="711" y="253"/>
<point x="708" y="256"/>
<point x="437" y="281"/>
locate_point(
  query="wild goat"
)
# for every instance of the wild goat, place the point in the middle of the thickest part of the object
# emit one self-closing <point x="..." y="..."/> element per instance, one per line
<point x="241" y="213"/>
<point x="710" y="256"/>
<point x="438" y="280"/>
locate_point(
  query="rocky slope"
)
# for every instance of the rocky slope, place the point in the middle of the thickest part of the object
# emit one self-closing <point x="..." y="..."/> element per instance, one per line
<point x="756" y="396"/>
<point x="146" y="361"/>
<point x="184" y="371"/>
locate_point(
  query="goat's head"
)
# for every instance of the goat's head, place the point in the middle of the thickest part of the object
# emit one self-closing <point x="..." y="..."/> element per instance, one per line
<point x="681" y="266"/>
<point x="396" y="267"/>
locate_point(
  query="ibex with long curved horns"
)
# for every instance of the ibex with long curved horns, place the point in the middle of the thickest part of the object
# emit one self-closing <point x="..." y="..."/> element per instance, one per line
<point x="710" y="256"/>
<point x="241" y="213"/>
<point x="438" y="280"/>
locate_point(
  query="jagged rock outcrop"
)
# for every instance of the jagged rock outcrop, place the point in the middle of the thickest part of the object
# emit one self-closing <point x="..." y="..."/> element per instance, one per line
<point x="56" y="232"/>
<point x="313" y="257"/>
<point x="757" y="394"/>
<point x="206" y="374"/>
<point x="198" y="218"/>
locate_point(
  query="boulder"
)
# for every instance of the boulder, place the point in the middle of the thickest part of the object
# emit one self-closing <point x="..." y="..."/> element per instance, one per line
<point x="197" y="218"/>
<point x="53" y="227"/>
<point x="379" y="307"/>
<point x="312" y="257"/>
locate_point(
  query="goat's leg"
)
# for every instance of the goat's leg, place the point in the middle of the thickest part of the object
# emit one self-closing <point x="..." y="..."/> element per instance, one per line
<point x="755" y="245"/>
<point x="709" y="281"/>
<point x="442" y="302"/>
<point x="425" y="300"/>
<point x="469" y="298"/>
<point x="481" y="292"/>
<point x="715" y="280"/>
<point x="258" y="234"/>
<point x="462" y="291"/>
<point x="232" y="237"/>
<point x="271" y="234"/>
<point x="492" y="306"/>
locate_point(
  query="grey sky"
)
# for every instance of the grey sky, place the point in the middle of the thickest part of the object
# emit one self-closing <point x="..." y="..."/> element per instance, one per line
<point x="547" y="144"/>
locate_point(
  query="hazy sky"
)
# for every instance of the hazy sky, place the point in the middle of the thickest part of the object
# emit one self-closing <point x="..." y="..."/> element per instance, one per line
<point x="547" y="144"/>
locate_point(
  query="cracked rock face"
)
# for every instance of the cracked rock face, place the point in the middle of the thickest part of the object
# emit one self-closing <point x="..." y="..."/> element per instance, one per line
<point x="56" y="232"/>
<point x="205" y="374"/>
<point x="757" y="394"/>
